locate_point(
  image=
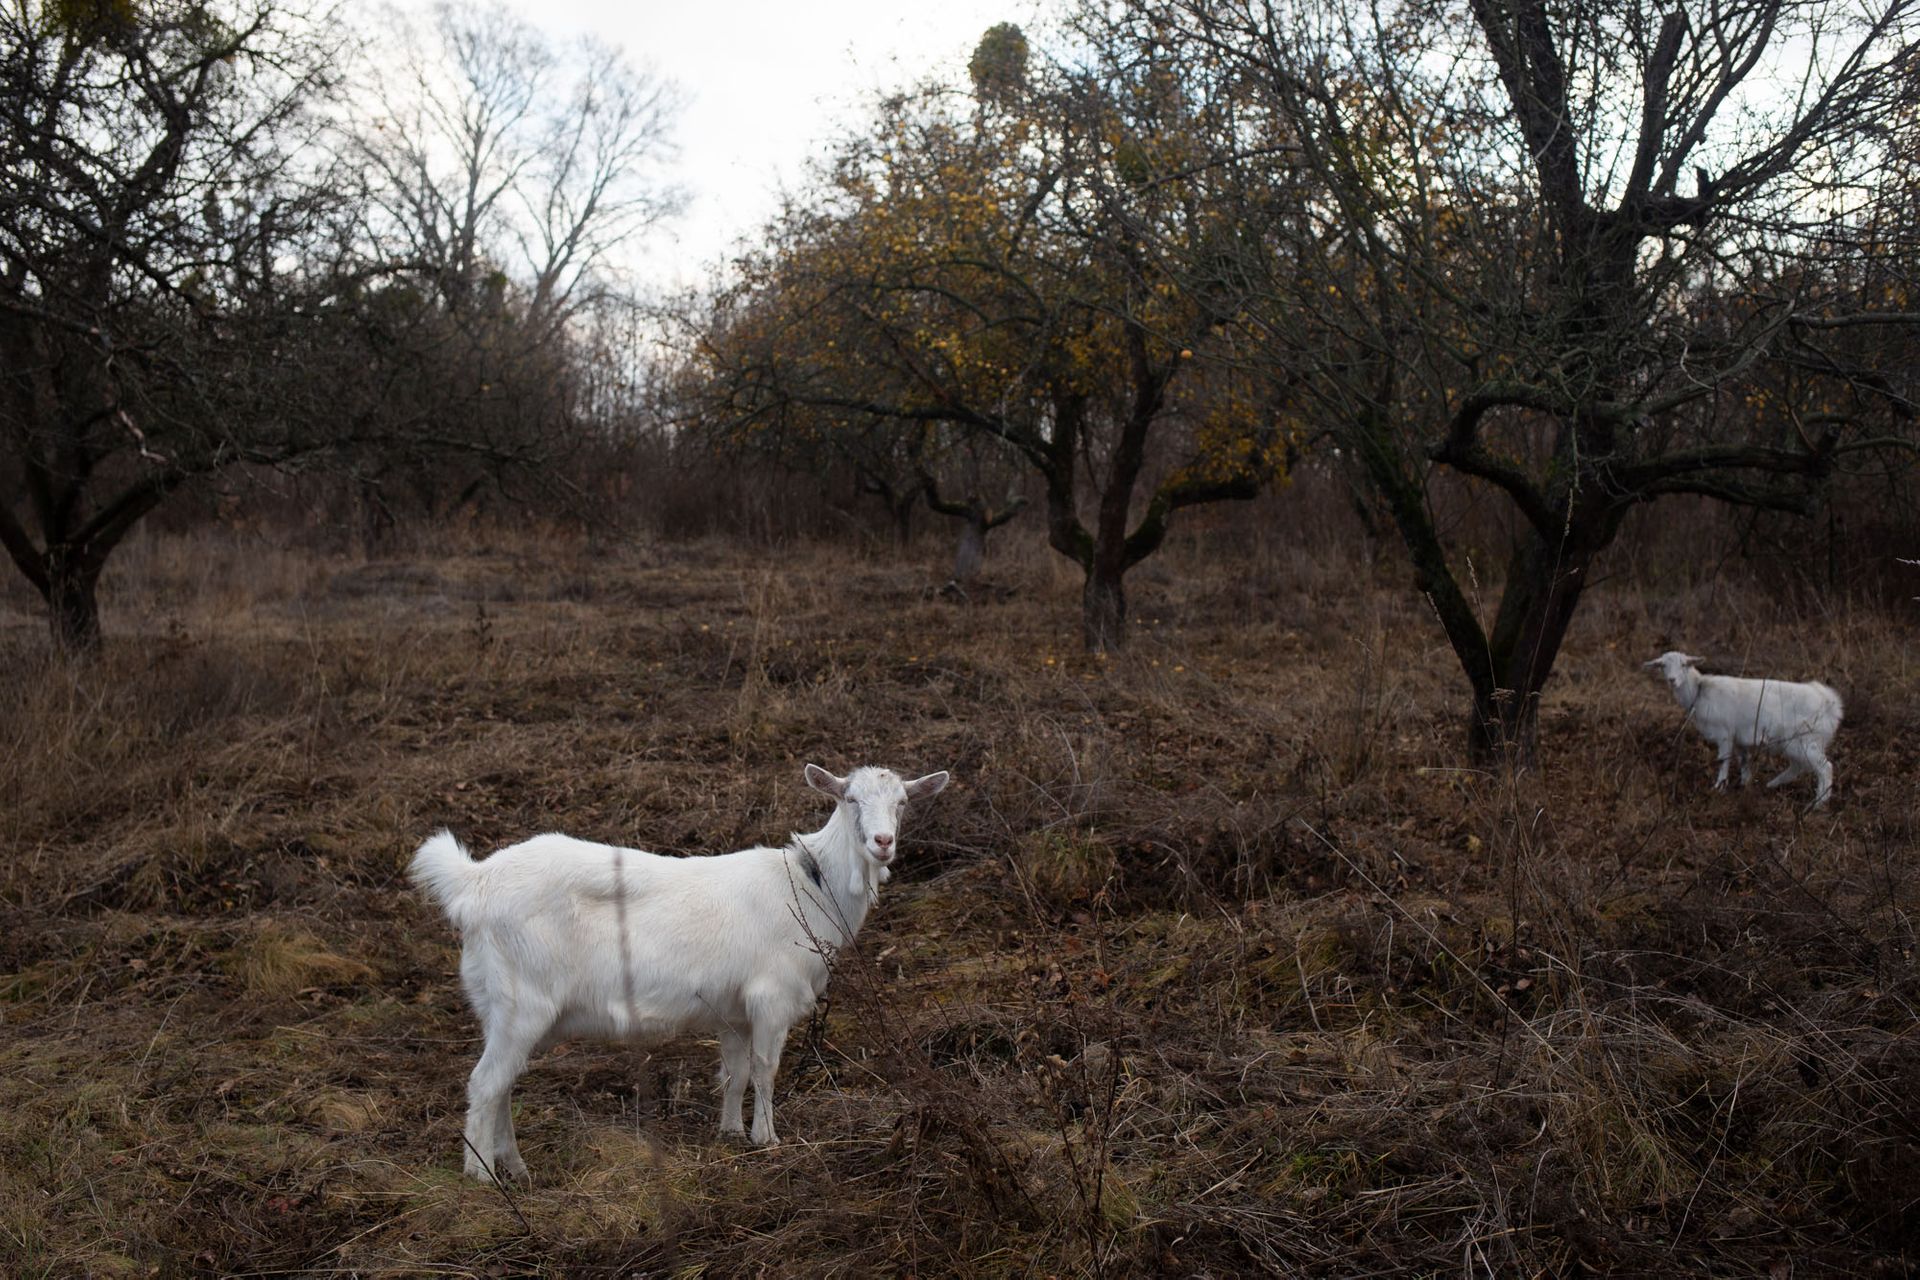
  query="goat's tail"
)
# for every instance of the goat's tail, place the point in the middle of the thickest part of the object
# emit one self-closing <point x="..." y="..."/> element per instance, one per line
<point x="446" y="873"/>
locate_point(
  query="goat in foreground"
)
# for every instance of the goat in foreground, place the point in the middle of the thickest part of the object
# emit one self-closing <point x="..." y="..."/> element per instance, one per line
<point x="564" y="938"/>
<point x="1739" y="715"/>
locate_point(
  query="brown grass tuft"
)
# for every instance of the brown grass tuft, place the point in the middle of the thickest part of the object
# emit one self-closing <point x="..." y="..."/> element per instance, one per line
<point x="279" y="962"/>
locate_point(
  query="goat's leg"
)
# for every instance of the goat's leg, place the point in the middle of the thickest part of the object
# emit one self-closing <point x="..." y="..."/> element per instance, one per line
<point x="769" y="1037"/>
<point x="1811" y="758"/>
<point x="506" y="1148"/>
<point x="1822" y="770"/>
<point x="490" y="1141"/>
<point x="734" y="1056"/>
<point x="1745" y="755"/>
<point x="1793" y="770"/>
<point x="1726" y="757"/>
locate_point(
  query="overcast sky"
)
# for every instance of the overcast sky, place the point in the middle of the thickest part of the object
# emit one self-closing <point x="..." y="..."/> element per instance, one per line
<point x="765" y="83"/>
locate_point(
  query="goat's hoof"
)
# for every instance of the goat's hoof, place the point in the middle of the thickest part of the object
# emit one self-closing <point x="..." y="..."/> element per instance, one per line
<point x="504" y="1169"/>
<point x="736" y="1136"/>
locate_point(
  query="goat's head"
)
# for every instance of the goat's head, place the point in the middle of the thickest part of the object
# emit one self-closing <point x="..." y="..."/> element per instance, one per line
<point x="1673" y="664"/>
<point x="875" y="799"/>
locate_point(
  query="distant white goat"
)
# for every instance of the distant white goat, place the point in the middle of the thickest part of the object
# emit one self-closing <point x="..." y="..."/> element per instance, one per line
<point x="564" y="938"/>
<point x="1739" y="715"/>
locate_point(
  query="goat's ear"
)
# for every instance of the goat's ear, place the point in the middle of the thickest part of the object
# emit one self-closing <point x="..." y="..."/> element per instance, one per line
<point x="931" y="785"/>
<point x="820" y="780"/>
<point x="1657" y="662"/>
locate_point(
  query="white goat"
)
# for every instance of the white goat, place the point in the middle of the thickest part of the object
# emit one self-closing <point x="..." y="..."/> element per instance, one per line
<point x="1739" y="715"/>
<point x="564" y="938"/>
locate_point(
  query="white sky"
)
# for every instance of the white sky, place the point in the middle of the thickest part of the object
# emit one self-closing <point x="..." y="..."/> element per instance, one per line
<point x="765" y="84"/>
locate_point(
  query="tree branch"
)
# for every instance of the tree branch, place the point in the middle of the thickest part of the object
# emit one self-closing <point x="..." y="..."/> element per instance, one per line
<point x="1473" y="460"/>
<point x="30" y="560"/>
<point x="1171" y="497"/>
<point x="1792" y="502"/>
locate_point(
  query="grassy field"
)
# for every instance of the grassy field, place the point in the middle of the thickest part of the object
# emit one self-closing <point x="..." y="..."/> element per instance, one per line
<point x="1215" y="960"/>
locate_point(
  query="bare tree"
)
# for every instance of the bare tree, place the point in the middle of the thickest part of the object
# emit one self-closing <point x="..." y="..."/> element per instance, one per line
<point x="156" y="176"/>
<point x="500" y="173"/>
<point x="497" y="158"/>
<point x="1550" y="246"/>
<point x="975" y="469"/>
<point x="191" y="279"/>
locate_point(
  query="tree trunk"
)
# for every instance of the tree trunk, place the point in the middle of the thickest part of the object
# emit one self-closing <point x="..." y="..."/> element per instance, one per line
<point x="73" y="606"/>
<point x="1505" y="728"/>
<point x="1544" y="584"/>
<point x="971" y="553"/>
<point x="902" y="510"/>
<point x="1103" y="610"/>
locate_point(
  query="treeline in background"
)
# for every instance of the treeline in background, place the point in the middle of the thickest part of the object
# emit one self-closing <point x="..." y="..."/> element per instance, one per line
<point x="1512" y="293"/>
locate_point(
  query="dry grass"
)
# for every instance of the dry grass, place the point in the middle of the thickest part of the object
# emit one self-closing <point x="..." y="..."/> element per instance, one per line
<point x="1215" y="961"/>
